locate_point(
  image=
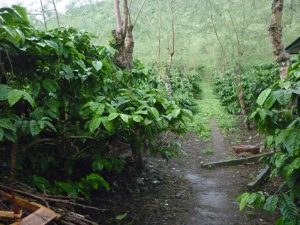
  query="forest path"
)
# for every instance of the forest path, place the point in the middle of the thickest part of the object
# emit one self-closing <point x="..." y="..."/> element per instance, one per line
<point x="216" y="190"/>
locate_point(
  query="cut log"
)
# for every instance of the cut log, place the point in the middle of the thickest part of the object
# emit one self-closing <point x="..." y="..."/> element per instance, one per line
<point x="260" y="178"/>
<point x="253" y="149"/>
<point x="233" y="162"/>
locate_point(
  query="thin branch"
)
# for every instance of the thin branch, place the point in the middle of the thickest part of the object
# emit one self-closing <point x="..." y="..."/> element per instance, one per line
<point x="56" y="13"/>
<point x="216" y="33"/>
<point x="139" y="12"/>
<point x="43" y="12"/>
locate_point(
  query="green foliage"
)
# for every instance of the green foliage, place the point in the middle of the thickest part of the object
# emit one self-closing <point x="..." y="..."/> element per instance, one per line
<point x="277" y="115"/>
<point x="252" y="81"/>
<point x="186" y="86"/>
<point x="64" y="100"/>
<point x="209" y="109"/>
<point x="192" y="17"/>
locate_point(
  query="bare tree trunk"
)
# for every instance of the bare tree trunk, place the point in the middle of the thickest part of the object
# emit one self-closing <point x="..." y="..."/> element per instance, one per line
<point x="159" y="43"/>
<point x="218" y="38"/>
<point x="239" y="86"/>
<point x="172" y="48"/>
<point x="275" y="31"/>
<point x="123" y="35"/>
<point x="43" y="13"/>
<point x="56" y="13"/>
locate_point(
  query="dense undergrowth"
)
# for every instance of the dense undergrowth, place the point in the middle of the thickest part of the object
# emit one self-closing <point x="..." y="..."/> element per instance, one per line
<point x="252" y="81"/>
<point x="278" y="116"/>
<point x="64" y="103"/>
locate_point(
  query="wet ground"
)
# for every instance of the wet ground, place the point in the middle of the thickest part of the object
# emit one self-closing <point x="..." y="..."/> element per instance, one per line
<point x="180" y="192"/>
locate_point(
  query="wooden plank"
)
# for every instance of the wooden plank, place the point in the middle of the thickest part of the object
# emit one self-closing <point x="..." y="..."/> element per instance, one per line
<point x="41" y="216"/>
<point x="10" y="215"/>
<point x="260" y="178"/>
<point x="23" y="203"/>
<point x="233" y="162"/>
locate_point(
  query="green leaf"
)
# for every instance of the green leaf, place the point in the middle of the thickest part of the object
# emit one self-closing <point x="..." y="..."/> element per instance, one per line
<point x="34" y="128"/>
<point x="68" y="71"/>
<point x="153" y="111"/>
<point x="137" y="118"/>
<point x="292" y="141"/>
<point x="94" y="124"/>
<point x="113" y="116"/>
<point x="188" y="113"/>
<point x="121" y="216"/>
<point x="96" y="180"/>
<point x="50" y="85"/>
<point x="52" y="44"/>
<point x="124" y="117"/>
<point x="1" y="134"/>
<point x="147" y="122"/>
<point x="80" y="63"/>
<point x="100" y="110"/>
<point x="271" y="203"/>
<point x="22" y="13"/>
<point x="4" y="90"/>
<point x="28" y="98"/>
<point x="175" y="113"/>
<point x="243" y="199"/>
<point x="263" y="96"/>
<point x="11" y="34"/>
<point x="14" y="96"/>
<point x="107" y="124"/>
<point x="97" y="65"/>
<point x="288" y="208"/>
<point x="290" y="168"/>
<point x="7" y="124"/>
<point x="283" y="96"/>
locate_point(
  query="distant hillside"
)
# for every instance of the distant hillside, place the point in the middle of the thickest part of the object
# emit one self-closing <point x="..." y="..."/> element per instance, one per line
<point x="196" y="42"/>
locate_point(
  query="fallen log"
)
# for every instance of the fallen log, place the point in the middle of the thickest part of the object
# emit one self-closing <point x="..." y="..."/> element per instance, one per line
<point x="232" y="162"/>
<point x="260" y="178"/>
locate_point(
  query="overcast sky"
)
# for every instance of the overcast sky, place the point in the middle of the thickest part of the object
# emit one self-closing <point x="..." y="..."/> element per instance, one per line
<point x="34" y="5"/>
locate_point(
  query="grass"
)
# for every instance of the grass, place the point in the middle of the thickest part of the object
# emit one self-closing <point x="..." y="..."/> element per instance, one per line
<point x="210" y="108"/>
<point x="209" y="151"/>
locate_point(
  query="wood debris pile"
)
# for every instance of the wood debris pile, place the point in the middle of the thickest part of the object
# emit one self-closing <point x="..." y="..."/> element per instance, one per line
<point x="19" y="207"/>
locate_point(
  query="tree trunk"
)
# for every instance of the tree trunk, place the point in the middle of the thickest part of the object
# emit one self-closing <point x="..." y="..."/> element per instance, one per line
<point x="56" y="13"/>
<point x="43" y="13"/>
<point x="13" y="160"/>
<point x="124" y="42"/>
<point x="275" y="31"/>
<point x="238" y="83"/>
<point x="138" y="148"/>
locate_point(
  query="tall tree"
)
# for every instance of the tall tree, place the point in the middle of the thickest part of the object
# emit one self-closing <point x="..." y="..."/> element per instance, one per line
<point x="275" y="31"/>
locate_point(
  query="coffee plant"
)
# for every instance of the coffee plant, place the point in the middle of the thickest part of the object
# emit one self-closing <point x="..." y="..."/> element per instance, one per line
<point x="63" y="102"/>
<point x="278" y="116"/>
<point x="253" y="81"/>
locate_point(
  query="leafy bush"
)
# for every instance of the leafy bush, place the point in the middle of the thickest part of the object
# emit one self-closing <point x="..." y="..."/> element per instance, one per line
<point x="186" y="86"/>
<point x="278" y="116"/>
<point x="63" y="100"/>
<point x="253" y="81"/>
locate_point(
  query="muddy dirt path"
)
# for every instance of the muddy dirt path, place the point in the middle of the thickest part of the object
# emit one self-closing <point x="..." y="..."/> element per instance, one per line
<point x="215" y="189"/>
